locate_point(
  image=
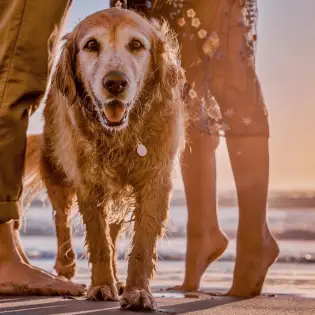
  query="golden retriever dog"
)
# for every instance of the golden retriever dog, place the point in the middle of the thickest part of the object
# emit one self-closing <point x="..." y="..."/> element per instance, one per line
<point x="114" y="127"/>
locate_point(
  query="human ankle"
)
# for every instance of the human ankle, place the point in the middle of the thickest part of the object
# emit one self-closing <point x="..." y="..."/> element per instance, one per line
<point x="7" y="242"/>
<point x="203" y="232"/>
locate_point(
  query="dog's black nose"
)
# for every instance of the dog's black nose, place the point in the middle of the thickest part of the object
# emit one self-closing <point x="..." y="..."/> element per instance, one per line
<point x="115" y="82"/>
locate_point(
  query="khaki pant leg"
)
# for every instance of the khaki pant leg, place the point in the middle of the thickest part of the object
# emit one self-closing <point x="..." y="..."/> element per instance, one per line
<point x="25" y="26"/>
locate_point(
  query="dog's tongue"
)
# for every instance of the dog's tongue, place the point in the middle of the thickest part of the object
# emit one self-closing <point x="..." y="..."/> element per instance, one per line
<point x="115" y="112"/>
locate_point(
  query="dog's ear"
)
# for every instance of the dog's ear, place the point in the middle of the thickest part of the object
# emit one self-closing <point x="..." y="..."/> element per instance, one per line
<point x="63" y="78"/>
<point x="166" y="58"/>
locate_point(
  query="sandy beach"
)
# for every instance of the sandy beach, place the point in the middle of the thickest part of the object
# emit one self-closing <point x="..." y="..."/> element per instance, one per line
<point x="292" y="274"/>
<point x="289" y="287"/>
<point x="281" y="305"/>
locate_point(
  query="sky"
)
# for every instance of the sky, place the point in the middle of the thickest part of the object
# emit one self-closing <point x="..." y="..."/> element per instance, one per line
<point x="286" y="68"/>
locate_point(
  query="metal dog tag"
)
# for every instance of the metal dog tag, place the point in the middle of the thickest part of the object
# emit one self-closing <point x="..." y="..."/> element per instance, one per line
<point x="142" y="150"/>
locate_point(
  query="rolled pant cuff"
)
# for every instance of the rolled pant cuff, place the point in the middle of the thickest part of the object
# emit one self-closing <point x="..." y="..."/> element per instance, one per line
<point x="9" y="210"/>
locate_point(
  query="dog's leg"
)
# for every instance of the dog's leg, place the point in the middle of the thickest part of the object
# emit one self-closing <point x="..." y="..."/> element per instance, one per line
<point x="61" y="194"/>
<point x="115" y="228"/>
<point x="150" y="216"/>
<point x="62" y="201"/>
<point x="98" y="240"/>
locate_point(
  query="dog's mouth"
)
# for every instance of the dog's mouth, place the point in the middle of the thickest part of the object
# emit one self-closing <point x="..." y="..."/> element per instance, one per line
<point x="115" y="113"/>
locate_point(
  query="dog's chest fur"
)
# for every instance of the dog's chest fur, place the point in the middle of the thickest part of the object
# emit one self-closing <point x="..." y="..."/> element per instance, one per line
<point x="112" y="161"/>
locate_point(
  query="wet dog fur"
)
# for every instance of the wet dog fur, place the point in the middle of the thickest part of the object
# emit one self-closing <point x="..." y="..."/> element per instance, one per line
<point x="88" y="150"/>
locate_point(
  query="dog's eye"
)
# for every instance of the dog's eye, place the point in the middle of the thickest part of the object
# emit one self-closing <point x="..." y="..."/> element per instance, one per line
<point x="92" y="45"/>
<point x="135" y="44"/>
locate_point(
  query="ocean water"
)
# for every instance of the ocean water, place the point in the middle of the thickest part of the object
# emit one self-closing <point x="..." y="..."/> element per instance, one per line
<point x="293" y="273"/>
<point x="293" y="228"/>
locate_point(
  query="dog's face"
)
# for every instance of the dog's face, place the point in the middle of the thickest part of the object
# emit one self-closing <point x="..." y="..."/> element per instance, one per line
<point x="111" y="55"/>
<point x="114" y="62"/>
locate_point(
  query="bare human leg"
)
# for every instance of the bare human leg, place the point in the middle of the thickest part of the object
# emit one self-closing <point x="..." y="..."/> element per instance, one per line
<point x="256" y="247"/>
<point x="247" y="142"/>
<point x="205" y="241"/>
<point x="236" y="87"/>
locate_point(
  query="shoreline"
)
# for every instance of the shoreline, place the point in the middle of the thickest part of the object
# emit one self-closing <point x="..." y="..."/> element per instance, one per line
<point x="170" y="249"/>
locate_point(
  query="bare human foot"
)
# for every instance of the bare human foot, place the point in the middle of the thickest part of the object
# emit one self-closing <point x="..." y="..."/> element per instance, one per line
<point x="62" y="275"/>
<point x="252" y="266"/>
<point x="18" y="277"/>
<point x="19" y="246"/>
<point x="202" y="250"/>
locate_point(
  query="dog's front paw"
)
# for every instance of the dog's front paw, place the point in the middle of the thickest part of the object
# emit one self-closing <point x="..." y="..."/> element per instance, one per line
<point x="65" y="270"/>
<point x="102" y="293"/>
<point x="138" y="300"/>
